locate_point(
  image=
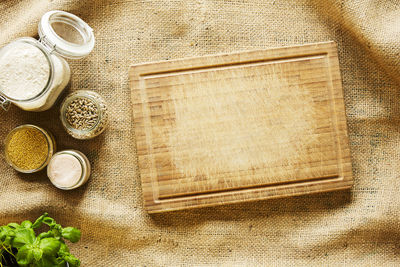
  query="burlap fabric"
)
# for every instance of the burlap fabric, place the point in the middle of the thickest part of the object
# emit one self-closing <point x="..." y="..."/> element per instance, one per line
<point x="356" y="227"/>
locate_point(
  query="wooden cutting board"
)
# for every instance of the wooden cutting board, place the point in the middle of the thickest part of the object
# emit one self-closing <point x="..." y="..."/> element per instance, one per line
<point x="240" y="127"/>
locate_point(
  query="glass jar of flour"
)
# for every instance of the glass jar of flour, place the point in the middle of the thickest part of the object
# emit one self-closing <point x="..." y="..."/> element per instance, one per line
<point x="33" y="73"/>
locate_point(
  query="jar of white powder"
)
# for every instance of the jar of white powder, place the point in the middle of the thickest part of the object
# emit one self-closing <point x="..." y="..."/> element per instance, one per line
<point x="68" y="169"/>
<point x="33" y="73"/>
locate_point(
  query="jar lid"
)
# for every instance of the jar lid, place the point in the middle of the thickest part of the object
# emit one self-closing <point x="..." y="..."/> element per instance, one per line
<point x="66" y="34"/>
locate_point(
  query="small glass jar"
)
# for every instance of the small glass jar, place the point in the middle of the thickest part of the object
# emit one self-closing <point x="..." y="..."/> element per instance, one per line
<point x="11" y="160"/>
<point x="74" y="126"/>
<point x="38" y="64"/>
<point x="68" y="161"/>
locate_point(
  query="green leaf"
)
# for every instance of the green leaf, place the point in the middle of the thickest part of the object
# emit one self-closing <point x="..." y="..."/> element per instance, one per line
<point x="59" y="261"/>
<point x="72" y="234"/>
<point x="44" y="235"/>
<point x="50" y="245"/>
<point x="26" y="224"/>
<point x="49" y="221"/>
<point x="23" y="236"/>
<point x="39" y="221"/>
<point x="3" y="231"/>
<point x="9" y="238"/>
<point x="71" y="259"/>
<point x="37" y="254"/>
<point x="50" y="233"/>
<point x="56" y="233"/>
<point x="14" y="225"/>
<point x="63" y="248"/>
<point x="47" y="261"/>
<point x="24" y="256"/>
<point x="6" y="233"/>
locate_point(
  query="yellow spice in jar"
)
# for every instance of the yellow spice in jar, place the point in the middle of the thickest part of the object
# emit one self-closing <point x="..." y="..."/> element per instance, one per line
<point x="27" y="148"/>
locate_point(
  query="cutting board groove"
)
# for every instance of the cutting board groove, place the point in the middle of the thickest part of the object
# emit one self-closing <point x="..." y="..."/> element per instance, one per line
<point x="238" y="127"/>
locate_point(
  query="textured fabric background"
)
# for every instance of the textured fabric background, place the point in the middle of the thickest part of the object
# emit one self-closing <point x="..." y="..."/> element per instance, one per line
<point x="355" y="227"/>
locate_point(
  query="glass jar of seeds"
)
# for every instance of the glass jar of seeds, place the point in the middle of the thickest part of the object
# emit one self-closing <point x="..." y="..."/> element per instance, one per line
<point x="29" y="148"/>
<point x="84" y="114"/>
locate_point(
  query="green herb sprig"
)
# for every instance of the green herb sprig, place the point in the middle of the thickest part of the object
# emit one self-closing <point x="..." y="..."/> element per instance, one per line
<point x="48" y="249"/>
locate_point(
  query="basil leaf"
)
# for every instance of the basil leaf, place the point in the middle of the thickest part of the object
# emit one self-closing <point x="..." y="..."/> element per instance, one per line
<point x="9" y="238"/>
<point x="49" y="221"/>
<point x="47" y="261"/>
<point x="44" y="235"/>
<point x="72" y="234"/>
<point x="56" y="233"/>
<point x="63" y="248"/>
<point x="59" y="261"/>
<point x="14" y="225"/>
<point x="37" y="254"/>
<point x="50" y="246"/>
<point x="24" y="256"/>
<point x="26" y="224"/>
<point x="51" y="233"/>
<point x="71" y="259"/>
<point x="39" y="221"/>
<point x="3" y="231"/>
<point x="6" y="233"/>
<point x="23" y="236"/>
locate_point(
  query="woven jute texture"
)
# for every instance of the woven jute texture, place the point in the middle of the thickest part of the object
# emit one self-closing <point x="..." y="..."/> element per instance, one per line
<point x="358" y="227"/>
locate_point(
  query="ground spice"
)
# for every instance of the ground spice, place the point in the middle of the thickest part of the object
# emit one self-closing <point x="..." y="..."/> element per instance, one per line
<point x="27" y="148"/>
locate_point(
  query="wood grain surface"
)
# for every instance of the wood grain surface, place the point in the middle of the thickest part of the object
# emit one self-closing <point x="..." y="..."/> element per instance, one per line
<point x="240" y="127"/>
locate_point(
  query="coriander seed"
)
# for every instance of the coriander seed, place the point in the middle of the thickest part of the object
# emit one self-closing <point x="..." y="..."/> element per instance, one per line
<point x="84" y="114"/>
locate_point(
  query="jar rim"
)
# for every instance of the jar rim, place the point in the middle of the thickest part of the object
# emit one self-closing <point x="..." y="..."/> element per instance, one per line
<point x="59" y="44"/>
<point x="50" y="147"/>
<point x="83" y="161"/>
<point x="37" y="44"/>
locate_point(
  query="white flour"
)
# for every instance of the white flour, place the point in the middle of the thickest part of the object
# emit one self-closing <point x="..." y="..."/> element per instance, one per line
<point x="24" y="71"/>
